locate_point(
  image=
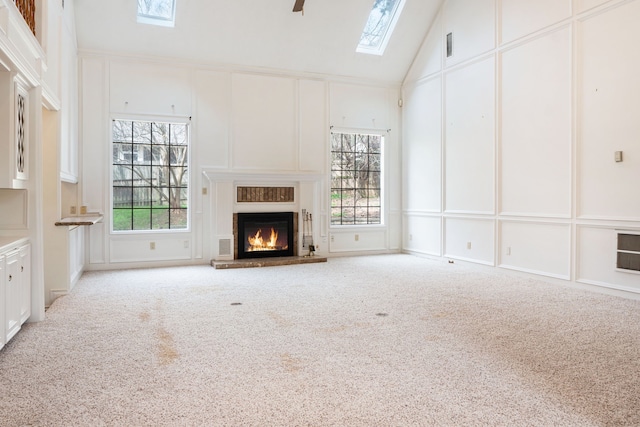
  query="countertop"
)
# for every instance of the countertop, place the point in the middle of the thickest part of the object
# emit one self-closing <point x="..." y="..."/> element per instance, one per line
<point x="79" y="220"/>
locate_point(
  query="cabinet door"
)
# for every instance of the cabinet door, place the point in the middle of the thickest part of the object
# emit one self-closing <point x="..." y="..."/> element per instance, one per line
<point x="21" y="132"/>
<point x="13" y="294"/>
<point x="25" y="283"/>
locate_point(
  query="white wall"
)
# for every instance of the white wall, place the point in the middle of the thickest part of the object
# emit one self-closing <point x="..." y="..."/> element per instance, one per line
<point x="248" y="128"/>
<point x="515" y="134"/>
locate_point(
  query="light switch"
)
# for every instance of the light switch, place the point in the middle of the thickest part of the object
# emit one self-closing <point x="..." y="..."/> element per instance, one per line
<point x="618" y="156"/>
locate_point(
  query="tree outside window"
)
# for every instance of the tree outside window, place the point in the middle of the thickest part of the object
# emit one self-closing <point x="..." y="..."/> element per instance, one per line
<point x="150" y="175"/>
<point x="356" y="170"/>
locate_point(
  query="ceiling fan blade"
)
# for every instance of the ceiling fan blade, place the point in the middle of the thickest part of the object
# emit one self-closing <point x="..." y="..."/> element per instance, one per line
<point x="298" y="6"/>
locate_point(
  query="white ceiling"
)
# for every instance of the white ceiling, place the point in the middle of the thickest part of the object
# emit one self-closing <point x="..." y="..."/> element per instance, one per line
<point x="260" y="33"/>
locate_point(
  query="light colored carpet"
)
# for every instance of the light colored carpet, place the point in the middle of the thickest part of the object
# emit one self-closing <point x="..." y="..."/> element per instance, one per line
<point x="391" y="340"/>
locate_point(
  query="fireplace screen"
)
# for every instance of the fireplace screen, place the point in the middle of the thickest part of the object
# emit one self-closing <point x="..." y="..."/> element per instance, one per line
<point x="265" y="234"/>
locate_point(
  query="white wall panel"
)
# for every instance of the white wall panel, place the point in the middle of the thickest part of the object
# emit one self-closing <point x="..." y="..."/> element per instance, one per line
<point x="141" y="88"/>
<point x="313" y="125"/>
<point x="470" y="138"/>
<point x="536" y="248"/>
<point x="137" y="249"/>
<point x="423" y="234"/>
<point x="96" y="243"/>
<point x="470" y="239"/>
<point x="94" y="134"/>
<point x="211" y="119"/>
<point x="264" y="123"/>
<point x="536" y="127"/>
<point x="355" y="106"/>
<point x="422" y="147"/>
<point x="13" y="209"/>
<point x="597" y="260"/>
<point x="522" y="17"/>
<point x="610" y="112"/>
<point x="472" y="23"/>
<point x="429" y="58"/>
<point x="358" y="241"/>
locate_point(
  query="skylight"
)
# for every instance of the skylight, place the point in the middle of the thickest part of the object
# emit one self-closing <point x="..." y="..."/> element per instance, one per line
<point x="157" y="12"/>
<point x="377" y="31"/>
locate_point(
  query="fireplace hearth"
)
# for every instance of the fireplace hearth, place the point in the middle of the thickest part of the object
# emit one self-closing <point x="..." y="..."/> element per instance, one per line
<point x="265" y="235"/>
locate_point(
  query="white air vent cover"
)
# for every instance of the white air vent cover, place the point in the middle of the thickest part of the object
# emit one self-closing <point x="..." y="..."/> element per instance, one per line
<point x="224" y="247"/>
<point x="628" y="251"/>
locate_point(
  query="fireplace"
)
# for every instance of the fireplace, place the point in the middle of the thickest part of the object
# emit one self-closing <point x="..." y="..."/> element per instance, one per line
<point x="263" y="235"/>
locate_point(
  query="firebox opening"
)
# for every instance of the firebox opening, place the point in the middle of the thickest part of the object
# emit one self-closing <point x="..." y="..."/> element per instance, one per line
<point x="261" y="235"/>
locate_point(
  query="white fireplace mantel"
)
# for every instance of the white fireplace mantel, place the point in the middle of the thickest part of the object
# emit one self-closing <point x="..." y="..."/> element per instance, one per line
<point x="220" y="187"/>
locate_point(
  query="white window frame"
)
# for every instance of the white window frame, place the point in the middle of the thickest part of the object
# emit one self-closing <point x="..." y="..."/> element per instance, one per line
<point x="383" y="183"/>
<point x="162" y="119"/>
<point x="388" y="31"/>
<point x="150" y="19"/>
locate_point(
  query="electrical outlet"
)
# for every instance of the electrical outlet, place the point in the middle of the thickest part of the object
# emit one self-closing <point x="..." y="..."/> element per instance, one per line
<point x="83" y="210"/>
<point x="204" y="191"/>
<point x="72" y="210"/>
<point x="152" y="245"/>
<point x="357" y="237"/>
<point x="618" y="156"/>
<point x="508" y="250"/>
<point x="186" y="244"/>
<point x="410" y="237"/>
<point x="468" y="245"/>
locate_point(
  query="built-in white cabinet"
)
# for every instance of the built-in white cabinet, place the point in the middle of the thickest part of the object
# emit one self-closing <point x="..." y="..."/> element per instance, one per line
<point x="65" y="264"/>
<point x="14" y="126"/>
<point x="15" y="287"/>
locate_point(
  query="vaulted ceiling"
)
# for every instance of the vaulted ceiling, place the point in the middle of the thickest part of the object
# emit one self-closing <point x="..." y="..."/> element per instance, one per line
<point x="259" y="33"/>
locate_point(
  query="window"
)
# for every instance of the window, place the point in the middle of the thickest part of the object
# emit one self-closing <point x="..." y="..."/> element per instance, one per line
<point x="150" y="175"/>
<point x="356" y="172"/>
<point x="377" y="31"/>
<point x="157" y="12"/>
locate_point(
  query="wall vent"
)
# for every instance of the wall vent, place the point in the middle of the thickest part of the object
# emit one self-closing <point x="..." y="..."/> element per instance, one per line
<point x="224" y="247"/>
<point x="628" y="251"/>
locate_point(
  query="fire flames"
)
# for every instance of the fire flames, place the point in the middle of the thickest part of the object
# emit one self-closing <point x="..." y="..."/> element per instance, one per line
<point x="258" y="243"/>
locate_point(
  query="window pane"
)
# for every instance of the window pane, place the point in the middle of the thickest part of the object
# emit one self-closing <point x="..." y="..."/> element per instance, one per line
<point x="122" y="219"/>
<point x="122" y="131"/>
<point x="178" y="218"/>
<point x="142" y="154"/>
<point x="122" y="153"/>
<point x="160" y="133"/>
<point x="177" y="155"/>
<point x="178" y="134"/>
<point x="160" y="196"/>
<point x="141" y="133"/>
<point x="160" y="218"/>
<point x="141" y="219"/>
<point x="122" y="197"/>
